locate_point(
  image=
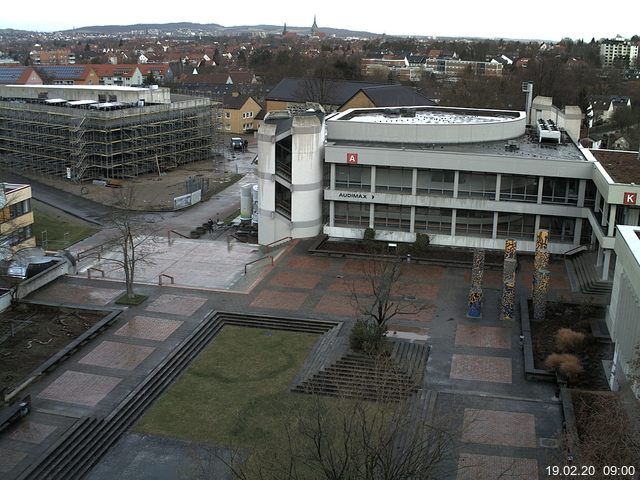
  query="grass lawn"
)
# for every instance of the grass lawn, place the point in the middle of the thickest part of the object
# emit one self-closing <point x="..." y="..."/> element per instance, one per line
<point x="235" y="392"/>
<point x="56" y="223"/>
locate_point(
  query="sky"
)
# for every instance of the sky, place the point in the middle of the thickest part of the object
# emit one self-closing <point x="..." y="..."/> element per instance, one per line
<point x="546" y="20"/>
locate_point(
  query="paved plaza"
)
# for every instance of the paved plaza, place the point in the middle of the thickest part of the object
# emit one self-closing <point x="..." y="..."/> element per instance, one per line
<point x="476" y="365"/>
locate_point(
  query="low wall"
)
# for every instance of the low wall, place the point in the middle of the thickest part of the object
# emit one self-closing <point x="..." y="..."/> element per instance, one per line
<point x="42" y="278"/>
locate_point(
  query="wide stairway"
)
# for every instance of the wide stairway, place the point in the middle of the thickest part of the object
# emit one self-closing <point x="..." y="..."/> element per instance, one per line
<point x="589" y="281"/>
<point x="391" y="377"/>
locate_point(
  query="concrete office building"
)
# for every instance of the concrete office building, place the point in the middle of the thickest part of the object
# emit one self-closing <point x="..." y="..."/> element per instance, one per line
<point x="622" y="317"/>
<point x="466" y="177"/>
<point x="16" y="219"/>
<point x="290" y="176"/>
<point x="87" y="132"/>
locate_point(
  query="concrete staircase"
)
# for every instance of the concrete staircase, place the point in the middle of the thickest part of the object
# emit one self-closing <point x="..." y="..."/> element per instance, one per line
<point x="588" y="278"/>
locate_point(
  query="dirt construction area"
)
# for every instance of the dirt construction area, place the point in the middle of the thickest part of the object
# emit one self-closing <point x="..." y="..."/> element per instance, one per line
<point x="155" y="192"/>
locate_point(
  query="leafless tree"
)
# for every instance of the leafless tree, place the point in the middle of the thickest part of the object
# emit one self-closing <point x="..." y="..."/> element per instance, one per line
<point x="134" y="241"/>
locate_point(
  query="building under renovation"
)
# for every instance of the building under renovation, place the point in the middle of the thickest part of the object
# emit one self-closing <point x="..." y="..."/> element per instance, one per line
<point x="101" y="132"/>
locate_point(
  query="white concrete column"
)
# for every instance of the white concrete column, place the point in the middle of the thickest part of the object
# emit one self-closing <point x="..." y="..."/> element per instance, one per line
<point x="498" y="182"/>
<point x="599" y="256"/>
<point x="540" y="185"/>
<point x="332" y="212"/>
<point x="453" y="218"/>
<point x="412" y="225"/>
<point x="332" y="181"/>
<point x="414" y="184"/>
<point x="373" y="179"/>
<point x="612" y="220"/>
<point x="371" y="214"/>
<point x="536" y="225"/>
<point x="596" y="207"/>
<point x="456" y="179"/>
<point x="605" y="265"/>
<point x="577" y="232"/>
<point x="605" y="213"/>
<point x="494" y="232"/>
<point x="582" y="190"/>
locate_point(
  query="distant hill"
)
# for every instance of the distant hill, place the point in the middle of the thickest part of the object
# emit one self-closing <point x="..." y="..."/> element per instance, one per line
<point x="211" y="29"/>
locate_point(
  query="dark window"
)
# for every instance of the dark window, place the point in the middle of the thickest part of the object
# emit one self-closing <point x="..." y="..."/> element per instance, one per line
<point x="353" y="177"/>
<point x="519" y="188"/>
<point x="348" y="214"/>
<point x="392" y="217"/>
<point x="475" y="223"/>
<point x="433" y="220"/>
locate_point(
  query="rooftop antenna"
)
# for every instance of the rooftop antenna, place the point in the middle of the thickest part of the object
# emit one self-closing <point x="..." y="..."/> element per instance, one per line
<point x="527" y="87"/>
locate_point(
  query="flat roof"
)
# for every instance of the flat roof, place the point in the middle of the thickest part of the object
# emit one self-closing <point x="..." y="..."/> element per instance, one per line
<point x="519" y="147"/>
<point x="427" y="115"/>
<point x="622" y="166"/>
<point x="85" y="87"/>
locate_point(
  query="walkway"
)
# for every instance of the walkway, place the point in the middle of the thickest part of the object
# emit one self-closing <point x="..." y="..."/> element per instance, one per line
<point x="502" y="423"/>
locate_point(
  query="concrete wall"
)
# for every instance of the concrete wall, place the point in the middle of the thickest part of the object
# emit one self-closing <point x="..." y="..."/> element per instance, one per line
<point x="420" y="133"/>
<point x="569" y="118"/>
<point x="267" y="230"/>
<point x="43" y="278"/>
<point x="623" y="320"/>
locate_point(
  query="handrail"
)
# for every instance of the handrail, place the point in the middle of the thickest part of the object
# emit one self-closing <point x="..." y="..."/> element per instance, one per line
<point x="268" y="246"/>
<point x="96" y="269"/>
<point x="165" y="275"/>
<point x="257" y="260"/>
<point x="99" y="248"/>
<point x="579" y="248"/>
<point x="177" y="233"/>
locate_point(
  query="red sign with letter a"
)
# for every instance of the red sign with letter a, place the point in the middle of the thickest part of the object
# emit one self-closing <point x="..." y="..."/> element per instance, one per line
<point x="630" y="198"/>
<point x="352" y="158"/>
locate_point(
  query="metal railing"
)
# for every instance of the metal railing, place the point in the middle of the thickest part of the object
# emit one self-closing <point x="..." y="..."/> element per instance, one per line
<point x="94" y="269"/>
<point x="256" y="261"/>
<point x="277" y="243"/>
<point x="579" y="248"/>
<point x="171" y="279"/>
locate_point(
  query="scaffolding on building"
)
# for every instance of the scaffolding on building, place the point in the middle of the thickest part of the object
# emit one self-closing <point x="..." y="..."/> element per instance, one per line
<point x="84" y="144"/>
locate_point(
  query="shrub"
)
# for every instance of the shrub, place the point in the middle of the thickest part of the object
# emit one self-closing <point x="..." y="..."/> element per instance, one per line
<point x="367" y="337"/>
<point x="369" y="235"/>
<point x="567" y="340"/>
<point x="421" y="245"/>
<point x="565" y="364"/>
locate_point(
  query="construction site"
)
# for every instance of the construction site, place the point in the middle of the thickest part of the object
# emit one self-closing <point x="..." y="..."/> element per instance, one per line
<point x="84" y="133"/>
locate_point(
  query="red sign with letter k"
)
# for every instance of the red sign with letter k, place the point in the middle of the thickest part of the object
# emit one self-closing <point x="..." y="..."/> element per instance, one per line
<point x="630" y="198"/>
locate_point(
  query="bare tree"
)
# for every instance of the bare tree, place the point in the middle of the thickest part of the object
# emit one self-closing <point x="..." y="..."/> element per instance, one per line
<point x="134" y="242"/>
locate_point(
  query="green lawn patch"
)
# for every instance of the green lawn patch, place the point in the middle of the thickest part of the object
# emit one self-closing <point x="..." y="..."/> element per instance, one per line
<point x="62" y="229"/>
<point x="236" y="392"/>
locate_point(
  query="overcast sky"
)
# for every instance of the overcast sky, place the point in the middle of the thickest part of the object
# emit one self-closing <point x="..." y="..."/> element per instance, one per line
<point x="549" y="20"/>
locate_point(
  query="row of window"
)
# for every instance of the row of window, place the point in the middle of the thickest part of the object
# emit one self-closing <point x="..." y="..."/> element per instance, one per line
<point x="521" y="188"/>
<point x="15" y="210"/>
<point x="476" y="223"/>
<point x="18" y="236"/>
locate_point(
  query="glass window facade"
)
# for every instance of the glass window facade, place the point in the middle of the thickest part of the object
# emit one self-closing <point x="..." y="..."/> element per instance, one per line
<point x="480" y="185"/>
<point x="476" y="223"/>
<point x="433" y="220"/>
<point x="560" y="228"/>
<point x="435" y="182"/>
<point x="353" y="177"/>
<point x="560" y="190"/>
<point x="391" y="179"/>
<point x="519" y="188"/>
<point x="392" y="217"/>
<point x="516" y="225"/>
<point x="351" y="214"/>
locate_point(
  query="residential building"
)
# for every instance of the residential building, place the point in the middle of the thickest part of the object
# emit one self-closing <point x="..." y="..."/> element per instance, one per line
<point x="622" y="315"/>
<point x="121" y="75"/>
<point x="618" y="52"/>
<point x="88" y="132"/>
<point x="240" y="113"/>
<point x="16" y="219"/>
<point x="300" y="94"/>
<point x="68" y="74"/>
<point x="19" y="75"/>
<point x="466" y="177"/>
<point x="61" y="56"/>
<point x="161" y="72"/>
<point x="604" y="106"/>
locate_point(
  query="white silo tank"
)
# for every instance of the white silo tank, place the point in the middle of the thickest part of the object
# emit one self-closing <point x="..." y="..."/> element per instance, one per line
<point x="246" y="203"/>
<point x="254" y="198"/>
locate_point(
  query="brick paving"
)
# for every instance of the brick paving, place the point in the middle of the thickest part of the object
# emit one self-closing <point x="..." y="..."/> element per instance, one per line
<point x="117" y="355"/>
<point x="276" y="299"/>
<point x="481" y="368"/>
<point x="338" y="305"/>
<point x="176" y="304"/>
<point x="349" y="284"/>
<point x="295" y="280"/>
<point x="9" y="459"/>
<point x="422" y="273"/>
<point x="478" y="336"/>
<point x="80" y="388"/>
<point x="31" y="432"/>
<point x="489" y="427"/>
<point x="419" y="290"/>
<point x="490" y="278"/>
<point x="149" y="328"/>
<point x="316" y="264"/>
<point x="493" y="467"/>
